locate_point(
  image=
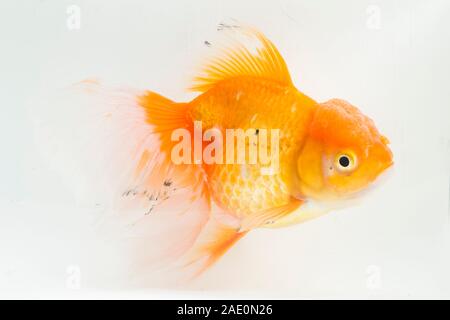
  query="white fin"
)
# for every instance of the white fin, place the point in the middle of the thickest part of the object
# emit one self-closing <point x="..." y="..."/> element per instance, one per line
<point x="101" y="142"/>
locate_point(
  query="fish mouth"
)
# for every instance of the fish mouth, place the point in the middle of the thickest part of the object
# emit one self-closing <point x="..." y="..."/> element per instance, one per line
<point x="385" y="173"/>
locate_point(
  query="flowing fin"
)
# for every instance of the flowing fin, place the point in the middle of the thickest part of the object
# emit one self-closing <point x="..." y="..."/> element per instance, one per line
<point x="222" y="231"/>
<point x="214" y="241"/>
<point x="305" y="213"/>
<point x="248" y="53"/>
<point x="178" y="193"/>
<point x="111" y="147"/>
<point x="155" y="166"/>
<point x="268" y="217"/>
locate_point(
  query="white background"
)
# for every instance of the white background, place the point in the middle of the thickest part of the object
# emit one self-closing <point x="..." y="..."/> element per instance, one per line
<point x="390" y="58"/>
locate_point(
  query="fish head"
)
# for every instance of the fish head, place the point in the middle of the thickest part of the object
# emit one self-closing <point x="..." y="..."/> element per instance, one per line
<point x="342" y="154"/>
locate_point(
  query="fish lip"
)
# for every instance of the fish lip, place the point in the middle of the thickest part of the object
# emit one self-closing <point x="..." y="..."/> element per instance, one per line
<point x="387" y="171"/>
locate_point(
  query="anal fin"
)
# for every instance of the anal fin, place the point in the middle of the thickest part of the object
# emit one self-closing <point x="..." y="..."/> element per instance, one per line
<point x="214" y="241"/>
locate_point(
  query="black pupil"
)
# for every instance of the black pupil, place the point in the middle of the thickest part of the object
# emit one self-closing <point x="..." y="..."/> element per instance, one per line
<point x="344" y="161"/>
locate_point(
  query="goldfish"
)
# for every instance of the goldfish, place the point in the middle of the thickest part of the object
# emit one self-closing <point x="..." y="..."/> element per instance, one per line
<point x="324" y="153"/>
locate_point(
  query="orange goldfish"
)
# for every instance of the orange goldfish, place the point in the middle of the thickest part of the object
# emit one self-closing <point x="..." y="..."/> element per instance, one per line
<point x="325" y="153"/>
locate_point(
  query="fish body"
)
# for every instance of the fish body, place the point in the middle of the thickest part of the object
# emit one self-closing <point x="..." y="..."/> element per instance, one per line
<point x="254" y="103"/>
<point x="192" y="211"/>
<point x="325" y="152"/>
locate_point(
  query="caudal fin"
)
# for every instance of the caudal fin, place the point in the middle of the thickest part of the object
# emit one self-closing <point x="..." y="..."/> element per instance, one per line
<point x="211" y="238"/>
<point x="112" y="148"/>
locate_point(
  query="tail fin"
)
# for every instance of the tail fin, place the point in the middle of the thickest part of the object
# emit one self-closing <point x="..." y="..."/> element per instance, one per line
<point x="111" y="147"/>
<point x="155" y="167"/>
<point x="177" y="194"/>
<point x="214" y="237"/>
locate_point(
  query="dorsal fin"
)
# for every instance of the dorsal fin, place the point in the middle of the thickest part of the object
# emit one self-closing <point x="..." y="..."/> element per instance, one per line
<point x="248" y="53"/>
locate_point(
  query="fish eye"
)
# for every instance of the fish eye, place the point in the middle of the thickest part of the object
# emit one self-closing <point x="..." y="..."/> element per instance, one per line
<point x="345" y="162"/>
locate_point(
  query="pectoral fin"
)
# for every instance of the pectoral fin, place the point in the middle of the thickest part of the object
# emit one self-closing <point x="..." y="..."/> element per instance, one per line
<point x="270" y="216"/>
<point x="307" y="211"/>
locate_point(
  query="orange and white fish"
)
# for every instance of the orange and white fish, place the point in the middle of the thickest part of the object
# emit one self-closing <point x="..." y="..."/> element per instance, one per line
<point x="194" y="212"/>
